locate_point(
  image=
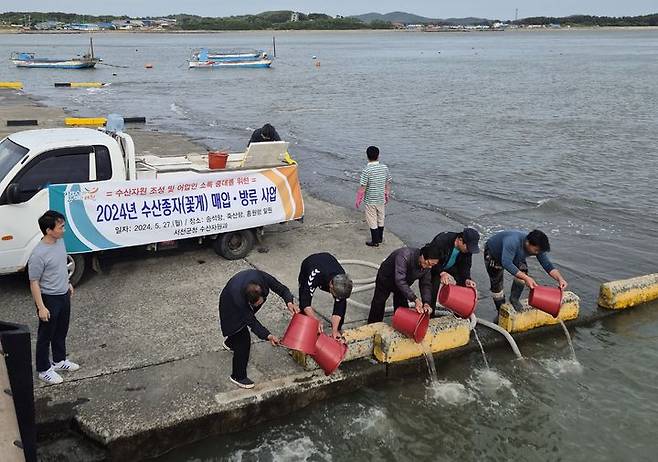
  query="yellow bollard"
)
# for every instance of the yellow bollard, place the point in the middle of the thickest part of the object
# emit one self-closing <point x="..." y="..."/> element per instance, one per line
<point x="531" y="318"/>
<point x="12" y="85"/>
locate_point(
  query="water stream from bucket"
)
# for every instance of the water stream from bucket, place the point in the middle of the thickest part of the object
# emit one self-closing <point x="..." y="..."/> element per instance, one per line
<point x="486" y="363"/>
<point x="431" y="366"/>
<point x="566" y="332"/>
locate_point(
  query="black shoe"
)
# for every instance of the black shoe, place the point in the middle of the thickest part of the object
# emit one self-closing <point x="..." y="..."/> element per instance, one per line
<point x="380" y="234"/>
<point x="243" y="383"/>
<point x="226" y="347"/>
<point x="374" y="238"/>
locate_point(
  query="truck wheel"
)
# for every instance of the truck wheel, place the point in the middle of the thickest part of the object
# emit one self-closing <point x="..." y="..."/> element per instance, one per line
<point x="76" y="265"/>
<point x="234" y="245"/>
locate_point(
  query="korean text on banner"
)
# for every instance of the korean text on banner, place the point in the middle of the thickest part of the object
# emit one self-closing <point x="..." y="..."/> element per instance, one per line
<point x="110" y="215"/>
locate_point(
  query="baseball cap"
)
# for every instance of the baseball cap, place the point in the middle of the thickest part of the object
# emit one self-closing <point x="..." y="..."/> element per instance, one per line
<point x="471" y="239"/>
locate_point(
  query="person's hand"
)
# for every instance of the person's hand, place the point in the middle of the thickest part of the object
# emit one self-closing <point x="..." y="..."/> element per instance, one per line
<point x="338" y="336"/>
<point x="387" y="197"/>
<point x="292" y="308"/>
<point x="320" y="328"/>
<point x="427" y="309"/>
<point x="447" y="279"/>
<point x="43" y="314"/>
<point x="360" y="195"/>
<point x="471" y="283"/>
<point x="274" y="340"/>
<point x="563" y="284"/>
<point x="419" y="305"/>
<point x="531" y="283"/>
<point x="71" y="290"/>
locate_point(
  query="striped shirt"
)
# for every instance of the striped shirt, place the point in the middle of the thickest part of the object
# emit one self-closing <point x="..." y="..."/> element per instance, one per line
<point x="374" y="178"/>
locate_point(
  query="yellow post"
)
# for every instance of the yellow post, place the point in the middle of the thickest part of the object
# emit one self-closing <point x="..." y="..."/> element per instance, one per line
<point x="85" y="121"/>
<point x="626" y="293"/>
<point x="12" y="85"/>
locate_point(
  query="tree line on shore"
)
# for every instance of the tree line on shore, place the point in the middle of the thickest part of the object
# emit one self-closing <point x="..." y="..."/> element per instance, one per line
<point x="291" y="20"/>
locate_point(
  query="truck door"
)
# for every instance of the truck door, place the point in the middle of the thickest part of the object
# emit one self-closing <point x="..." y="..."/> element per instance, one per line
<point x="20" y="209"/>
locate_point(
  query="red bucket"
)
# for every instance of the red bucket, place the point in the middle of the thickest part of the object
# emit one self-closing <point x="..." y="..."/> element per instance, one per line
<point x="301" y="334"/>
<point x="217" y="160"/>
<point x="546" y="299"/>
<point x="460" y="300"/>
<point x="411" y="323"/>
<point x="329" y="353"/>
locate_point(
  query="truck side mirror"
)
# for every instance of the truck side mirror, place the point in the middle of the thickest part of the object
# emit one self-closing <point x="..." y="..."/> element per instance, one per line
<point x="12" y="193"/>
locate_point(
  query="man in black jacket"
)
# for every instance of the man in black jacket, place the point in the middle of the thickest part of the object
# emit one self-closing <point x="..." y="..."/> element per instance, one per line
<point x="322" y="270"/>
<point x="397" y="273"/>
<point x="265" y="134"/>
<point x="455" y="258"/>
<point x="244" y="294"/>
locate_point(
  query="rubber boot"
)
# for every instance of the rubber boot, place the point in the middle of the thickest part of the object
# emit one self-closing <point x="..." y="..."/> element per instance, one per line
<point x="380" y="234"/>
<point x="374" y="238"/>
<point x="515" y="295"/>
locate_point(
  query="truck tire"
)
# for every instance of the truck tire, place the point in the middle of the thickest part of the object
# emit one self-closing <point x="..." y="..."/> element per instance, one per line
<point x="234" y="245"/>
<point x="76" y="265"/>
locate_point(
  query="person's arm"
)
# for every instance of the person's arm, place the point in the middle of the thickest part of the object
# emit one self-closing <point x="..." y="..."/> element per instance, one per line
<point x="510" y="246"/>
<point x="555" y="274"/>
<point x="256" y="327"/>
<point x="465" y="262"/>
<point x="281" y="290"/>
<point x="42" y="311"/>
<point x="425" y="284"/>
<point x="400" y="275"/>
<point x="306" y="288"/>
<point x="340" y="307"/>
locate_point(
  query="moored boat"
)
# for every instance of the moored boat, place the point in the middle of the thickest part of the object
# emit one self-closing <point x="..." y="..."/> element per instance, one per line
<point x="30" y="60"/>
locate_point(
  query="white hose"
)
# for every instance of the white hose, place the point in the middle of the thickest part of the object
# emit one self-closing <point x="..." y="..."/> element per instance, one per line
<point x="505" y="334"/>
<point x="362" y="263"/>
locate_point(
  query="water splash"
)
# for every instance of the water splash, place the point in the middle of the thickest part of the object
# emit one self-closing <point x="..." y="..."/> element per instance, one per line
<point x="431" y="366"/>
<point x="566" y="332"/>
<point x="453" y="393"/>
<point x="557" y="367"/>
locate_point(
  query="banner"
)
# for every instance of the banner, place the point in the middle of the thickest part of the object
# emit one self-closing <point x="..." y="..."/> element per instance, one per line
<point x="109" y="215"/>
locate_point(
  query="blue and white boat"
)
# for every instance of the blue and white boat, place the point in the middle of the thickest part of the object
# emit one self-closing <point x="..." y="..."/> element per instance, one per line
<point x="229" y="59"/>
<point x="86" y="61"/>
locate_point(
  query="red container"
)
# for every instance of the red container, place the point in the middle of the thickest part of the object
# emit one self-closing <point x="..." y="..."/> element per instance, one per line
<point x="460" y="300"/>
<point x="411" y="323"/>
<point x="301" y="334"/>
<point x="329" y="353"/>
<point x="217" y="160"/>
<point x="546" y="299"/>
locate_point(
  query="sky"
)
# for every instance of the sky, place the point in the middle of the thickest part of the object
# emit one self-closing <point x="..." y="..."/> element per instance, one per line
<point x="498" y="9"/>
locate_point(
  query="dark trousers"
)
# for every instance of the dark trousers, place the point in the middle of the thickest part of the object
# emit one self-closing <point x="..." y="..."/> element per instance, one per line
<point x="52" y="333"/>
<point x="378" y="304"/>
<point x="496" y="271"/>
<point x="240" y="343"/>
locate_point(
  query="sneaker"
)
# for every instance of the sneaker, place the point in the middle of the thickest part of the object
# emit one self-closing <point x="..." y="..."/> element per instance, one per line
<point x="51" y="377"/>
<point x="243" y="383"/>
<point x="66" y="365"/>
<point x="225" y="345"/>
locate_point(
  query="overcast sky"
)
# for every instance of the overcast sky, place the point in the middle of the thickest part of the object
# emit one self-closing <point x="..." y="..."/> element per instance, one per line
<point x="501" y="9"/>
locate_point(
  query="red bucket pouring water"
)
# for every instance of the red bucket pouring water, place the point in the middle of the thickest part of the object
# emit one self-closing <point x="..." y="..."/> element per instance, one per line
<point x="329" y="353"/>
<point x="411" y="323"/>
<point x="460" y="300"/>
<point x="301" y="334"/>
<point x="546" y="299"/>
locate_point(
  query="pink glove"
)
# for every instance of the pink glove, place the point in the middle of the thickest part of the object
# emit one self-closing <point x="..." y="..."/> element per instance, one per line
<point x="360" y="194"/>
<point x="386" y="197"/>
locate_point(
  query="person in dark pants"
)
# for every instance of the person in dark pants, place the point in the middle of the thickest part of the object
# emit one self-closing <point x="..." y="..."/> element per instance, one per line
<point x="264" y="134"/>
<point x="455" y="258"/>
<point x="508" y="250"/>
<point x="322" y="270"/>
<point x="51" y="291"/>
<point x="244" y="294"/>
<point x="397" y="273"/>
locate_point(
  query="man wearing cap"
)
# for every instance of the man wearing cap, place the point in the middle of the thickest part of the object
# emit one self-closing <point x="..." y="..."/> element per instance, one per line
<point x="397" y="273"/>
<point x="322" y="271"/>
<point x="455" y="258"/>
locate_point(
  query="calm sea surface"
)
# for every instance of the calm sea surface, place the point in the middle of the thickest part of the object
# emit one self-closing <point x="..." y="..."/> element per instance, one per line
<point x="554" y="130"/>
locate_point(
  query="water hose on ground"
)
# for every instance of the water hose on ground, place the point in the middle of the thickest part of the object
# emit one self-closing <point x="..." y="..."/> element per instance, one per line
<point x="370" y="284"/>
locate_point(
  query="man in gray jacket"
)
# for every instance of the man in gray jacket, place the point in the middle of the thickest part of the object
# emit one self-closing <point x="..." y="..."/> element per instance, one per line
<point x="397" y="273"/>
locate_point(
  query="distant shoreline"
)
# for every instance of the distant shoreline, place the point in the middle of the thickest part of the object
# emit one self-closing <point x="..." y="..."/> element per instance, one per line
<point x="397" y="31"/>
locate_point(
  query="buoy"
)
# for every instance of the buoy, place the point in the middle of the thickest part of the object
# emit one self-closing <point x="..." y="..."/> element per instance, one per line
<point x="89" y="121"/>
<point x="12" y="85"/>
<point x="459" y="300"/>
<point x="411" y="323"/>
<point x="148" y="66"/>
<point x="329" y="353"/>
<point x="301" y="334"/>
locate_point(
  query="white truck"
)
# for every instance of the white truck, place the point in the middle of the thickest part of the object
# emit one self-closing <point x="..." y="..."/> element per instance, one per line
<point x="32" y="160"/>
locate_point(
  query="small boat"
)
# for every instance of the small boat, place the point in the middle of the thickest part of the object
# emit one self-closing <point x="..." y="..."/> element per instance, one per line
<point x="261" y="63"/>
<point x="204" y="58"/>
<point x="86" y="61"/>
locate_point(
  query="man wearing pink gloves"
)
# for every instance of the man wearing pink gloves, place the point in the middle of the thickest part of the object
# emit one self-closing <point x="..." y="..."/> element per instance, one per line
<point x="374" y="191"/>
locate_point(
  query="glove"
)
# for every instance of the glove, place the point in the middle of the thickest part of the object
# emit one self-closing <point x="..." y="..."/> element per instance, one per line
<point x="360" y="194"/>
<point x="386" y="197"/>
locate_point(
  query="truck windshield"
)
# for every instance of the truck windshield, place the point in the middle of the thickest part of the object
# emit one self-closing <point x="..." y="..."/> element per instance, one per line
<point x="10" y="154"/>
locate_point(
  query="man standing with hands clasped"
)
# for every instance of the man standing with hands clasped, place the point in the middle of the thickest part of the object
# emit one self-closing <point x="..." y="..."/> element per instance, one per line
<point x="245" y="293"/>
<point x="51" y="290"/>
